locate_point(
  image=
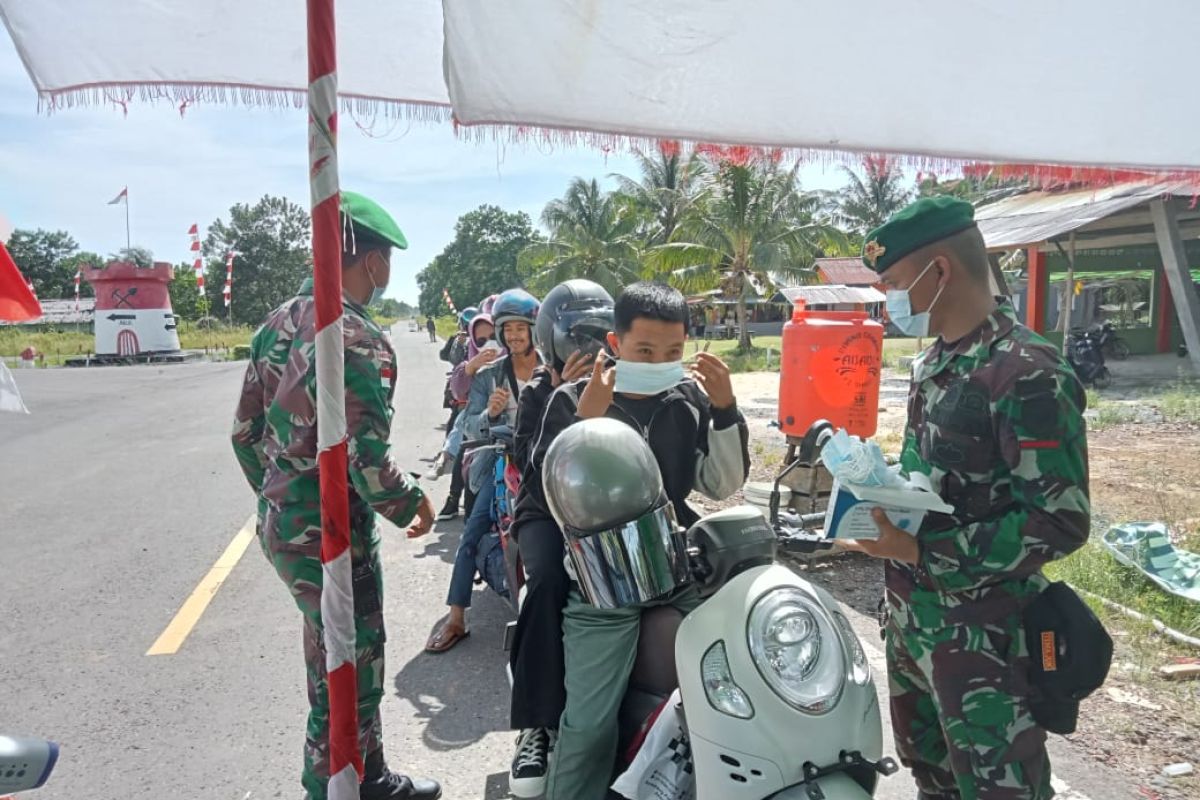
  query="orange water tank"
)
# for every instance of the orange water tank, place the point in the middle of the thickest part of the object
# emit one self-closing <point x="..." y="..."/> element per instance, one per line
<point x="830" y="370"/>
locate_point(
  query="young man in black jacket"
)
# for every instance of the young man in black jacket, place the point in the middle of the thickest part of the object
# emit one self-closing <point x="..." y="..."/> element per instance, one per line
<point x="699" y="438"/>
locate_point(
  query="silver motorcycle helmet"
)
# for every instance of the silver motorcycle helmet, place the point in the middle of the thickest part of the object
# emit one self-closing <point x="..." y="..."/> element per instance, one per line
<point x="604" y="489"/>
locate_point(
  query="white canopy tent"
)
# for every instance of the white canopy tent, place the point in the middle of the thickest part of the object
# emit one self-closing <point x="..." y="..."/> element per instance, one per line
<point x="944" y="81"/>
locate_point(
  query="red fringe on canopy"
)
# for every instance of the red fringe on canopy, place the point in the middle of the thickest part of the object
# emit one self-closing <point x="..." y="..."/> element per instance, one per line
<point x="548" y="138"/>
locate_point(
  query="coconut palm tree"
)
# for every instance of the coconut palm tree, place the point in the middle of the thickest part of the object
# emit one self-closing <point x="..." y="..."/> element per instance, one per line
<point x="593" y="235"/>
<point x="868" y="200"/>
<point x="665" y="191"/>
<point x="751" y="225"/>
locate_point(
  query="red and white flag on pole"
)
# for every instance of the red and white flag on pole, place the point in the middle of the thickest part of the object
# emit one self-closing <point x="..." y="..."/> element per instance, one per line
<point x="198" y="263"/>
<point x="228" y="290"/>
<point x="78" y="275"/>
<point x="122" y="197"/>
<point x="449" y="302"/>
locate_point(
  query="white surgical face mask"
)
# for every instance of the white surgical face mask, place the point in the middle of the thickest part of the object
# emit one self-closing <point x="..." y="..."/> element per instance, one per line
<point x="376" y="291"/>
<point x="899" y="308"/>
<point x="639" y="377"/>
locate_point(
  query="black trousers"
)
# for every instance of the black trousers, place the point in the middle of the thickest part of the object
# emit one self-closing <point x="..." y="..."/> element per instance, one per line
<point x="458" y="485"/>
<point x="539" y="692"/>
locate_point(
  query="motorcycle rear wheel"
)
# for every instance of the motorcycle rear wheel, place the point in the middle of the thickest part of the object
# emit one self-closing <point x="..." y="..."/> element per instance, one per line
<point x="1119" y="349"/>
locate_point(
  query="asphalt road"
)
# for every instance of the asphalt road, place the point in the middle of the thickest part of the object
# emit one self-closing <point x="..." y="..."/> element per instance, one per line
<point x="119" y="493"/>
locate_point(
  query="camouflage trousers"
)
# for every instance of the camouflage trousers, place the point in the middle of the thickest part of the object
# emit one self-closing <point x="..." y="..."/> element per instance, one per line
<point x="297" y="561"/>
<point x="959" y="714"/>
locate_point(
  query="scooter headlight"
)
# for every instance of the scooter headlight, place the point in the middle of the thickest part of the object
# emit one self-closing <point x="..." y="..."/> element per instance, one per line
<point x="795" y="647"/>
<point x="723" y="694"/>
<point x="860" y="668"/>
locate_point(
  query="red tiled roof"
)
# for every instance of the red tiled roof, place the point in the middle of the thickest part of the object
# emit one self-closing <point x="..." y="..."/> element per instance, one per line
<point x="846" y="271"/>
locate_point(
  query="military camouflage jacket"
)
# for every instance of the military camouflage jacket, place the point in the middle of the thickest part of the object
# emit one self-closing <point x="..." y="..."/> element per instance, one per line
<point x="995" y="421"/>
<point x="275" y="427"/>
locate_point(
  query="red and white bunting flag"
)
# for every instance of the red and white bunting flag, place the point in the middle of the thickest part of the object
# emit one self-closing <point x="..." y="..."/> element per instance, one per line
<point x="78" y="275"/>
<point x="449" y="302"/>
<point x="228" y="290"/>
<point x="198" y="264"/>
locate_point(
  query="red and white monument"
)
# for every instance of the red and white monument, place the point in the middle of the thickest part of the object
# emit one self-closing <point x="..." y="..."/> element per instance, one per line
<point x="133" y="309"/>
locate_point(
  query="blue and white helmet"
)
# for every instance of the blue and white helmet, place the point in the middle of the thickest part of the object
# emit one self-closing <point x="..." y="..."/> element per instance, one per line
<point x="515" y="305"/>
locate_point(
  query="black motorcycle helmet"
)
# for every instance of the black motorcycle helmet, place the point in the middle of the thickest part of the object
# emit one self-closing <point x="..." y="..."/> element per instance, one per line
<point x="576" y="315"/>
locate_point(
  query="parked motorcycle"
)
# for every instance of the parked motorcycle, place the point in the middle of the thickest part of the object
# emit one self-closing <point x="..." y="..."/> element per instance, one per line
<point x="1086" y="356"/>
<point x="25" y="763"/>
<point x="1110" y="342"/>
<point x="777" y="695"/>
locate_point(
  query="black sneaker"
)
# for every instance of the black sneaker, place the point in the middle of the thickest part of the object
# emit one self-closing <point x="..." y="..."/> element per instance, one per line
<point x="449" y="511"/>
<point x="528" y="775"/>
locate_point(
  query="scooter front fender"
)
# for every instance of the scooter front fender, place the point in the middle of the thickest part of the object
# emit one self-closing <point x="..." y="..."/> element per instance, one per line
<point x="838" y="786"/>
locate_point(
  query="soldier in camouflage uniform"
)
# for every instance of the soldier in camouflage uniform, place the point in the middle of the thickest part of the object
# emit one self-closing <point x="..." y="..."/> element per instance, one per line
<point x="995" y="421"/>
<point x="275" y="439"/>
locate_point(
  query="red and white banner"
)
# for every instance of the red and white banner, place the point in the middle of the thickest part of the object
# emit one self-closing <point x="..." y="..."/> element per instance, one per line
<point x="449" y="302"/>
<point x="198" y="262"/>
<point x="228" y="290"/>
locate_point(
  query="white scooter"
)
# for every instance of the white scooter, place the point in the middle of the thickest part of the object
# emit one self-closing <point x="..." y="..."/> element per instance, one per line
<point x="776" y="689"/>
<point x="25" y="763"/>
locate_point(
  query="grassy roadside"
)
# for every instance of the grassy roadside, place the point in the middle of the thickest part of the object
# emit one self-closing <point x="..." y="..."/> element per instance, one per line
<point x="58" y="346"/>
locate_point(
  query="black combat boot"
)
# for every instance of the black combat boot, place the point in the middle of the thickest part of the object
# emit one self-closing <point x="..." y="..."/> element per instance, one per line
<point x="380" y="783"/>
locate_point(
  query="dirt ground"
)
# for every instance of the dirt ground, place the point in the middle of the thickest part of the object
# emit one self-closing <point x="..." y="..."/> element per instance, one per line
<point x="1140" y="470"/>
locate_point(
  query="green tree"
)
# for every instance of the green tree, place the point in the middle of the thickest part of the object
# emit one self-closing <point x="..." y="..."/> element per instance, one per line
<point x="79" y="262"/>
<point x="186" y="302"/>
<point x="481" y="260"/>
<point x="593" y="235"/>
<point x="867" y="200"/>
<point x="141" y="256"/>
<point x="272" y="257"/>
<point x="750" y="225"/>
<point x="41" y="256"/>
<point x="665" y="191"/>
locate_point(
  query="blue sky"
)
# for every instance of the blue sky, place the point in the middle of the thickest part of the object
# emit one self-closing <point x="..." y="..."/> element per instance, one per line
<point x="59" y="171"/>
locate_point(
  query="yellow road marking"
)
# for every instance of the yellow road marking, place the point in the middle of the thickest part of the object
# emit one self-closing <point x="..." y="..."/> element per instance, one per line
<point x="189" y="613"/>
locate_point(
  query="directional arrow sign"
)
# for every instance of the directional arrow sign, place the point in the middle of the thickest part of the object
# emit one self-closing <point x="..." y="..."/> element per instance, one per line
<point x="115" y="317"/>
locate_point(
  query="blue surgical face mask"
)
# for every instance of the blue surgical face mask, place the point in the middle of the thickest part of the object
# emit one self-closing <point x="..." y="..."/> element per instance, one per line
<point x="899" y="308"/>
<point x="640" y="377"/>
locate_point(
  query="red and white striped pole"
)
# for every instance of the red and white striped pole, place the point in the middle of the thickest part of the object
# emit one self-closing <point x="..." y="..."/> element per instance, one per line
<point x="449" y="302"/>
<point x="337" y="597"/>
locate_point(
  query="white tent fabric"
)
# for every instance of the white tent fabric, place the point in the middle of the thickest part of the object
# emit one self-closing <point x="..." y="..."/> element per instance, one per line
<point x="1102" y="83"/>
<point x="225" y="50"/>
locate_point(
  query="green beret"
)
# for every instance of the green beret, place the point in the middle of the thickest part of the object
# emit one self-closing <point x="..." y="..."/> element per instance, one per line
<point x="368" y="214"/>
<point x="918" y="224"/>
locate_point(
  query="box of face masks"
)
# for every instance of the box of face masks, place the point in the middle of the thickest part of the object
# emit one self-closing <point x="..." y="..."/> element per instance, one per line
<point x="848" y="515"/>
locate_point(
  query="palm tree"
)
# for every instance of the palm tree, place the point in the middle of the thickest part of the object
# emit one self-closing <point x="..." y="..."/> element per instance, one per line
<point x="866" y="202"/>
<point x="665" y="191"/>
<point x="592" y="236"/>
<point x="751" y="225"/>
